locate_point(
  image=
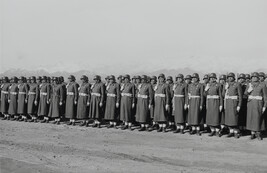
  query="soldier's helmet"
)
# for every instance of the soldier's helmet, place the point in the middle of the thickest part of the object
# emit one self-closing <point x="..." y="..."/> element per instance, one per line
<point x="223" y="77"/>
<point x="188" y="77"/>
<point x="119" y="77"/>
<point x="261" y="74"/>
<point x="169" y="78"/>
<point x="195" y="75"/>
<point x="255" y="74"/>
<point x="161" y="75"/>
<point x="61" y="79"/>
<point x="21" y="78"/>
<point x="138" y="77"/>
<point x="241" y="76"/>
<point x="84" y="77"/>
<point x="180" y="76"/>
<point x="231" y="75"/>
<point x="71" y="77"/>
<point x="144" y="77"/>
<point x="97" y="77"/>
<point x="127" y="76"/>
<point x="248" y="76"/>
<point x="5" y="78"/>
<point x="107" y="78"/>
<point x="213" y="75"/>
<point x="15" y="79"/>
<point x="44" y="78"/>
<point x="39" y="78"/>
<point x="112" y="77"/>
<point x="206" y="76"/>
<point x="134" y="77"/>
<point x="153" y="77"/>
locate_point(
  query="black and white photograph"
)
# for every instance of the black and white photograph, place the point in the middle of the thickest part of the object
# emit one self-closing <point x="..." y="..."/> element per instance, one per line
<point x="136" y="86"/>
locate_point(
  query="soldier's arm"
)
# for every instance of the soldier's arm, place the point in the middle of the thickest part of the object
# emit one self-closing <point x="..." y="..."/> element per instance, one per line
<point x="76" y="93"/>
<point x="240" y="94"/>
<point x="202" y="95"/>
<point x="168" y="95"/>
<point x="246" y="91"/>
<point x="265" y="95"/>
<point x="61" y="93"/>
<point x="186" y="93"/>
<point x="220" y="95"/>
<point x="150" y="94"/>
<point x="102" y="89"/>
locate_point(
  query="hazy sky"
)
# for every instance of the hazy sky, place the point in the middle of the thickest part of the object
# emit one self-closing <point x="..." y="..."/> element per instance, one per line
<point x="134" y="35"/>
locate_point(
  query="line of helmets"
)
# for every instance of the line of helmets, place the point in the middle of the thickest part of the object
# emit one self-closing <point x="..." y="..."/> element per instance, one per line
<point x="122" y="77"/>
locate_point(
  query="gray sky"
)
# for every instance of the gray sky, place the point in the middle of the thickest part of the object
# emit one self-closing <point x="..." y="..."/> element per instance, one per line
<point x="134" y="35"/>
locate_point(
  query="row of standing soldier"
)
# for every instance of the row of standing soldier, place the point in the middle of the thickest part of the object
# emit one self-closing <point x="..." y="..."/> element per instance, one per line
<point x="156" y="103"/>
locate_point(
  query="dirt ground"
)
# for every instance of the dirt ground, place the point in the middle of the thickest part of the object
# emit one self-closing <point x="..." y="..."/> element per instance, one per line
<point x="35" y="147"/>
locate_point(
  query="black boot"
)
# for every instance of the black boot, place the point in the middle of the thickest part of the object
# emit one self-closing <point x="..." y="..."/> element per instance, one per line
<point x="212" y="134"/>
<point x="142" y="129"/>
<point x="124" y="127"/>
<point x="230" y="135"/>
<point x="69" y="123"/>
<point x="177" y="131"/>
<point x="160" y="129"/>
<point x="259" y="136"/>
<point x="82" y="124"/>
<point x="192" y="132"/>
<point x="253" y="136"/>
<point x="43" y="121"/>
<point x="32" y="120"/>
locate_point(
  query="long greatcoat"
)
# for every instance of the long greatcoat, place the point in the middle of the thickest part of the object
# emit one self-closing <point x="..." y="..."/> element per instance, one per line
<point x="127" y="99"/>
<point x="162" y="98"/>
<point x="13" y="99"/>
<point x="113" y="97"/>
<point x="43" y="107"/>
<point x="72" y="96"/>
<point x="84" y="97"/>
<point x="242" y="118"/>
<point x="144" y="99"/>
<point x="56" y="98"/>
<point x="4" y="98"/>
<point x="195" y="100"/>
<point x="233" y="98"/>
<point x="255" y="118"/>
<point x="213" y="104"/>
<point x="97" y="97"/>
<point x="180" y="98"/>
<point x="23" y="95"/>
<point x="33" y="96"/>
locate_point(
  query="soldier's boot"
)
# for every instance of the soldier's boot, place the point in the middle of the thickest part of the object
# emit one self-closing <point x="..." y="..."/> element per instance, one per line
<point x="230" y="135"/>
<point x="35" y="120"/>
<point x="124" y="127"/>
<point x="58" y="123"/>
<point x="164" y="129"/>
<point x="218" y="134"/>
<point x="182" y="131"/>
<point x="160" y="129"/>
<point x="237" y="135"/>
<point x="212" y="133"/>
<point x="87" y="124"/>
<point x="98" y="125"/>
<point x="110" y="126"/>
<point x="253" y="136"/>
<point x="177" y="131"/>
<point x="82" y="124"/>
<point x="69" y="123"/>
<point x="73" y="123"/>
<point x="94" y="125"/>
<point x="43" y="121"/>
<point x="142" y="129"/>
<point x="5" y="118"/>
<point x="198" y="133"/>
<point x="31" y="120"/>
<point x="259" y="136"/>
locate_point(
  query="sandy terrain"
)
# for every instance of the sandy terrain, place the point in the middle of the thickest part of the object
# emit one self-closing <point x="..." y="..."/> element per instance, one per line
<point x="30" y="147"/>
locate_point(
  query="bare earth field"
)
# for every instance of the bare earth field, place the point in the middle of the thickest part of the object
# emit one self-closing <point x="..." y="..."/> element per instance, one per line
<point x="35" y="147"/>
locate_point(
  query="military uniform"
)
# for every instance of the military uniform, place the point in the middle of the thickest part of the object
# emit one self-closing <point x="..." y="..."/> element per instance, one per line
<point x="180" y="98"/>
<point x="84" y="99"/>
<point x="257" y="99"/>
<point x="13" y="99"/>
<point x="127" y="100"/>
<point x="71" y="99"/>
<point x="43" y="106"/>
<point x="4" y="96"/>
<point x="113" y="101"/>
<point x="56" y="100"/>
<point x="144" y="99"/>
<point x="22" y="97"/>
<point x="33" y="97"/>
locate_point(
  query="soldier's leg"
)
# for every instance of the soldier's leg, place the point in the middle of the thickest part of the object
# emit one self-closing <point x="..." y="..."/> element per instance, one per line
<point x="212" y="129"/>
<point x="237" y="132"/>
